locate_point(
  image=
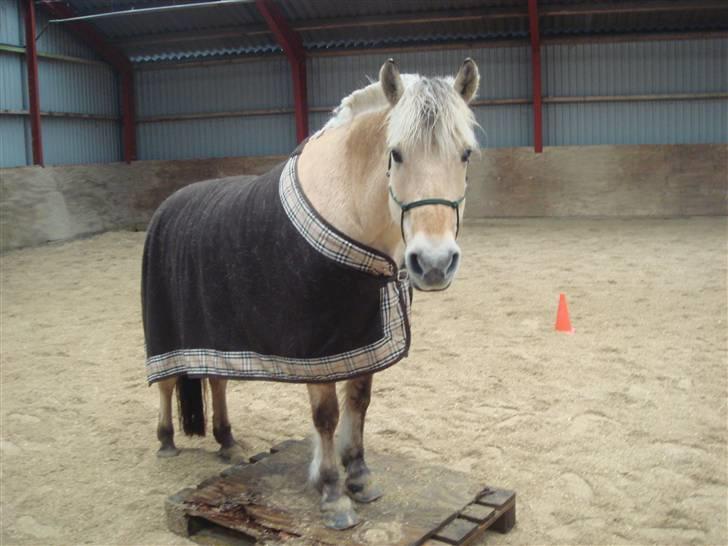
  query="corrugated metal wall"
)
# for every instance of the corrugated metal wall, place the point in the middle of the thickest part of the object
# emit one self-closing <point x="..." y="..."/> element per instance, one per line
<point x="10" y="22"/>
<point x="255" y="85"/>
<point x="579" y="70"/>
<point x="641" y="68"/>
<point x="505" y="74"/>
<point x="13" y="96"/>
<point x="70" y="87"/>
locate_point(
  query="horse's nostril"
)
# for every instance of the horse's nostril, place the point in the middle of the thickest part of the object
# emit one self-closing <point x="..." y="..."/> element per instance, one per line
<point x="454" y="260"/>
<point x="413" y="264"/>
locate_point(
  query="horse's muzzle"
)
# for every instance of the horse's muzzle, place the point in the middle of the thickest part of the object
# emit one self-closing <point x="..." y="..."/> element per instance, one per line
<point x="432" y="267"/>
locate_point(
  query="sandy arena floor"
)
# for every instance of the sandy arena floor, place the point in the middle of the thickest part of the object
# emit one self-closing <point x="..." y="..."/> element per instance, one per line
<point x="616" y="434"/>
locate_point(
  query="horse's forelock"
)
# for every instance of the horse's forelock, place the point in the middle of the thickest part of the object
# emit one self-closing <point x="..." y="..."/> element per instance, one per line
<point x="431" y="114"/>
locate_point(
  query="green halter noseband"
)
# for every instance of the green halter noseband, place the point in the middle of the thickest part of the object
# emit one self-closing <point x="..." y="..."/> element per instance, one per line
<point x="422" y="202"/>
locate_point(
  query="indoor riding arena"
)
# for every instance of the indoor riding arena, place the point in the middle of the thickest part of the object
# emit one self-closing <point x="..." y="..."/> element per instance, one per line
<point x="598" y="196"/>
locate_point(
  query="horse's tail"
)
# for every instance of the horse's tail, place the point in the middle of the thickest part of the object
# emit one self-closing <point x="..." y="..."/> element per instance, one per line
<point x="191" y="396"/>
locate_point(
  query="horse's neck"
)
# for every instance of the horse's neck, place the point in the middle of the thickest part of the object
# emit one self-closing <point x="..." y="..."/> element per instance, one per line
<point x="343" y="173"/>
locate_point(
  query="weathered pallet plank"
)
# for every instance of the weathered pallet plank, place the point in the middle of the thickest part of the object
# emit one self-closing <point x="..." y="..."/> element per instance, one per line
<point x="259" y="457"/>
<point x="504" y="503"/>
<point x="495" y="497"/>
<point x="269" y="499"/>
<point x="456" y="531"/>
<point x="491" y="509"/>
<point x="478" y="513"/>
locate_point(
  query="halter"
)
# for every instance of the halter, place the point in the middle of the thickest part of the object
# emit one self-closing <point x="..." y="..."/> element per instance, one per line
<point x="422" y="202"/>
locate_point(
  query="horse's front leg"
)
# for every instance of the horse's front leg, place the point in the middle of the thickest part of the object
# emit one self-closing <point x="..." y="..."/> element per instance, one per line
<point x="336" y="507"/>
<point x="229" y="448"/>
<point x="358" y="484"/>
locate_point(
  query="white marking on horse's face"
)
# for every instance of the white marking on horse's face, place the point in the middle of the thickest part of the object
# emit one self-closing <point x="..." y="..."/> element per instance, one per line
<point x="432" y="255"/>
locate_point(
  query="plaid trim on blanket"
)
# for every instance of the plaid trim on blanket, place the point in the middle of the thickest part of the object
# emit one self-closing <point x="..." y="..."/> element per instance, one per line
<point x="395" y="310"/>
<point x="320" y="235"/>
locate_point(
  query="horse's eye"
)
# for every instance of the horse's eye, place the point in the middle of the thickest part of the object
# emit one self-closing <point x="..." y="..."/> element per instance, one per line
<point x="396" y="156"/>
<point x="466" y="155"/>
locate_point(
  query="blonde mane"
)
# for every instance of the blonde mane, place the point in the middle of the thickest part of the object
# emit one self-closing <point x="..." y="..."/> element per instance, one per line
<point x="430" y="113"/>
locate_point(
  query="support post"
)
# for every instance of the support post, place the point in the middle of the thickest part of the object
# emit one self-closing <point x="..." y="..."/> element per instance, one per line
<point x="300" y="98"/>
<point x="292" y="46"/>
<point x="128" y="118"/>
<point x="536" y="76"/>
<point x="31" y="60"/>
<point x="115" y="57"/>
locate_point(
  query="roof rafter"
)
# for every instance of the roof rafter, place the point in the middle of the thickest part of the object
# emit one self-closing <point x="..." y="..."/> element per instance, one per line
<point x="426" y="17"/>
<point x="88" y="34"/>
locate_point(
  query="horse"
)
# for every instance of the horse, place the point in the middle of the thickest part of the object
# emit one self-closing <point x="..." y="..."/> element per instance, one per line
<point x="305" y="274"/>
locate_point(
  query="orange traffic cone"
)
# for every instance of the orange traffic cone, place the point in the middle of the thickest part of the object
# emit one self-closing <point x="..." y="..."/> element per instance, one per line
<point x="563" y="324"/>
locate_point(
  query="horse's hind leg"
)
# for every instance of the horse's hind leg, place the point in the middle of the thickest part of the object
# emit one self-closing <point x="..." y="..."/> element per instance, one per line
<point x="336" y="507"/>
<point x="229" y="449"/>
<point x="358" y="484"/>
<point x="165" y="429"/>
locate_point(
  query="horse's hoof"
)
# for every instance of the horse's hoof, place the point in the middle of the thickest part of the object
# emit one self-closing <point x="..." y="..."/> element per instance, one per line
<point x="166" y="452"/>
<point x="363" y="493"/>
<point x="339" y="514"/>
<point x="233" y="454"/>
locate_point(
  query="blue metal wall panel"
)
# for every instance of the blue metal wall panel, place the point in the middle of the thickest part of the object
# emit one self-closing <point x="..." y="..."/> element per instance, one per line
<point x="641" y="68"/>
<point x="316" y="120"/>
<point x="504" y="126"/>
<point x="217" y="137"/>
<point x="53" y="37"/>
<point x="256" y="85"/>
<point x="656" y="122"/>
<point x="56" y="39"/>
<point x="261" y="84"/>
<point x="68" y="141"/>
<point x="694" y="66"/>
<point x="13" y="148"/>
<point x="637" y="68"/>
<point x="64" y="87"/>
<point x="12" y="142"/>
<point x="505" y="74"/>
<point x="79" y="88"/>
<point x="84" y="89"/>
<point x="10" y="22"/>
<point x="12" y="78"/>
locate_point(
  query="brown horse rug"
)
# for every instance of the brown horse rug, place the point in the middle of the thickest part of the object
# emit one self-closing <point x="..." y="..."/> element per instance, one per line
<point x="245" y="280"/>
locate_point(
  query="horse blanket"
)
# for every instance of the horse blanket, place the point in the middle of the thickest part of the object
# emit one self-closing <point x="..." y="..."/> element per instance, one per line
<point x="244" y="279"/>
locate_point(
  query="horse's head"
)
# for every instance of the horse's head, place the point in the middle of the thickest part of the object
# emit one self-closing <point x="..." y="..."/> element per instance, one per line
<point x="430" y="136"/>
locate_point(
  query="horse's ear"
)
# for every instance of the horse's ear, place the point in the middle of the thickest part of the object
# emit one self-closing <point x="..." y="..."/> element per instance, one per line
<point x="391" y="81"/>
<point x="467" y="80"/>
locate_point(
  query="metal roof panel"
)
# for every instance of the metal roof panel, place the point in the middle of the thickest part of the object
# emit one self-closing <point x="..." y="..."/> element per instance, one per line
<point x="205" y="32"/>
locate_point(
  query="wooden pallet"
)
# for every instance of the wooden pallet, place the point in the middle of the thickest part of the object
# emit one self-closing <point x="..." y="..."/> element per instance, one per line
<point x="268" y="499"/>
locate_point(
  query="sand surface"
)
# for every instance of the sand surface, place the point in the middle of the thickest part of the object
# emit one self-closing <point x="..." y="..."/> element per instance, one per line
<point x="616" y="434"/>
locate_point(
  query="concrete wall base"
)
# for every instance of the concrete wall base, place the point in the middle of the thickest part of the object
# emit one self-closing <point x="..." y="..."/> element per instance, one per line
<point x="38" y="205"/>
<point x="594" y="181"/>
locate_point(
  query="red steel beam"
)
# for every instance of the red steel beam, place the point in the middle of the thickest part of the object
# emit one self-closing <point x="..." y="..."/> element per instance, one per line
<point x="115" y="57"/>
<point x="128" y="118"/>
<point x="536" y="76"/>
<point x="300" y="98"/>
<point x="292" y="46"/>
<point x="31" y="58"/>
